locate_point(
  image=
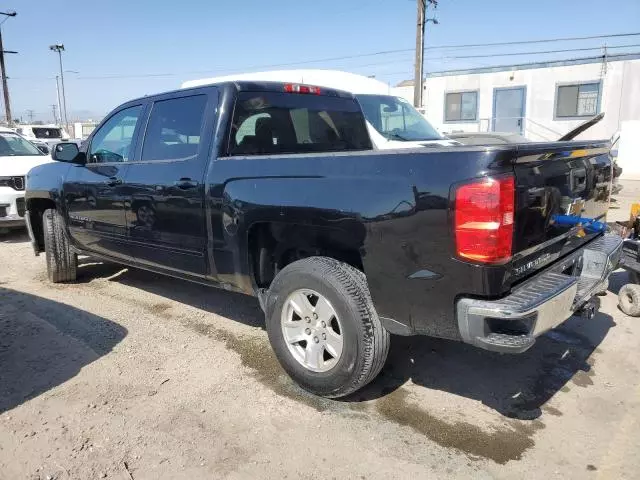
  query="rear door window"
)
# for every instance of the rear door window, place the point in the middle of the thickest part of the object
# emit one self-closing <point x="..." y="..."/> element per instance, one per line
<point x="174" y="127"/>
<point x="272" y="123"/>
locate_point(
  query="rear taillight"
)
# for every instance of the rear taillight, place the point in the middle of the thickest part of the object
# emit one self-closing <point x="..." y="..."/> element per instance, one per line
<point x="295" y="88"/>
<point x="484" y="220"/>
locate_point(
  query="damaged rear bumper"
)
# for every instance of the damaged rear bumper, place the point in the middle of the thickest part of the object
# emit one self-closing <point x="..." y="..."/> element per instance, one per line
<point x="511" y="324"/>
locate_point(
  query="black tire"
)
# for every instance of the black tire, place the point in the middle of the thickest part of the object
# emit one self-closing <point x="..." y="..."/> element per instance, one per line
<point x="62" y="263"/>
<point x="629" y="299"/>
<point x="365" y="340"/>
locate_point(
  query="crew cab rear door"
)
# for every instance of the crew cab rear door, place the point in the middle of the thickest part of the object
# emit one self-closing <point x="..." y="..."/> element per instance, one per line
<point x="165" y="188"/>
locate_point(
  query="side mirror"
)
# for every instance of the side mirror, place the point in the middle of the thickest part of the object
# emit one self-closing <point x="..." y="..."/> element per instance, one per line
<point x="43" y="148"/>
<point x="67" y="152"/>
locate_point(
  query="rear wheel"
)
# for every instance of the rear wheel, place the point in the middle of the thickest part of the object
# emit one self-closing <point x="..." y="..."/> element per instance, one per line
<point x="629" y="299"/>
<point x="323" y="326"/>
<point x="62" y="263"/>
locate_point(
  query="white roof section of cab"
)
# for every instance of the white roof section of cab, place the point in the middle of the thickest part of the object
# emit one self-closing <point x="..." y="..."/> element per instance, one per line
<point x="336" y="79"/>
<point x="48" y="125"/>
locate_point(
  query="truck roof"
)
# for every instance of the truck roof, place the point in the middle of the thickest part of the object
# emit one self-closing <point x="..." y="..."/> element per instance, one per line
<point x="250" y="86"/>
<point x="351" y="82"/>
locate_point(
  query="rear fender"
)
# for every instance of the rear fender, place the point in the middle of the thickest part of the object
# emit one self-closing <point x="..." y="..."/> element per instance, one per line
<point x="336" y="207"/>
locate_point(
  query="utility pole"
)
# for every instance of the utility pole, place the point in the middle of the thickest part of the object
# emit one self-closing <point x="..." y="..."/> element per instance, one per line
<point x="417" y="77"/>
<point x="31" y="114"/>
<point x="54" y="109"/>
<point x="419" y="65"/>
<point x="5" y="86"/>
<point x="59" y="47"/>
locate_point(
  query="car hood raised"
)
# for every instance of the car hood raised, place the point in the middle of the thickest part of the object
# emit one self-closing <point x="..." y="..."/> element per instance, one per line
<point x="20" y="166"/>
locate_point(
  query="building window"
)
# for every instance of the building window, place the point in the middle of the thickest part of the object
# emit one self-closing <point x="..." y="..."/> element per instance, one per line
<point x="578" y="100"/>
<point x="461" y="107"/>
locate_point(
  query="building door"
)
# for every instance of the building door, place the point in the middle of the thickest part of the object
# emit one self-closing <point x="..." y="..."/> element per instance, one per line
<point x="508" y="109"/>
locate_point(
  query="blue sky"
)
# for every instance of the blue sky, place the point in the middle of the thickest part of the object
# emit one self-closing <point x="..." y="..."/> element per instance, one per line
<point x="113" y="44"/>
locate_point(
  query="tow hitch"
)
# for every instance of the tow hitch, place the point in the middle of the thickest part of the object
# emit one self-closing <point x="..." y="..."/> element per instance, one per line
<point x="588" y="310"/>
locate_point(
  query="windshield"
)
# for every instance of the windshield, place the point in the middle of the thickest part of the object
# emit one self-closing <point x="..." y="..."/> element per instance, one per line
<point x="47" y="132"/>
<point x="396" y="119"/>
<point x="13" y="145"/>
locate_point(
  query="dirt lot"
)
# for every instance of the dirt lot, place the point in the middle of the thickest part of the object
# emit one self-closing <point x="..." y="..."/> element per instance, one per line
<point x="130" y="375"/>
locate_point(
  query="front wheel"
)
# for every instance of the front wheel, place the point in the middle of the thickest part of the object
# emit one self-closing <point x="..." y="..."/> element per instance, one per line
<point x="62" y="263"/>
<point x="323" y="327"/>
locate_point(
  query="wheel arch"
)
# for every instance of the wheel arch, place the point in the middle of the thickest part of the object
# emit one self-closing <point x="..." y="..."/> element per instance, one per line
<point x="35" y="209"/>
<point x="271" y="245"/>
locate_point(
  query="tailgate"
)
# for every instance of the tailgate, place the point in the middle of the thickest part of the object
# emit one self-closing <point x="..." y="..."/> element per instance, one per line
<point x="560" y="187"/>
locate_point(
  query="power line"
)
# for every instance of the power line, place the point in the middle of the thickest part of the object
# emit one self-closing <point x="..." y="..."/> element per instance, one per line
<point x="510" y="54"/>
<point x="362" y="55"/>
<point x="446" y="57"/>
<point x="489" y="55"/>
<point x="546" y="40"/>
<point x="372" y="54"/>
<point x="510" y="65"/>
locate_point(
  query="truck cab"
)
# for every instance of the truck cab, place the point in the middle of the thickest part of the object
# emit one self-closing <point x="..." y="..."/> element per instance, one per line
<point x="392" y="122"/>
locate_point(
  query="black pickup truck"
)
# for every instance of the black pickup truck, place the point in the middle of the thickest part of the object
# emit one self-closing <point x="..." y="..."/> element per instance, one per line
<point x="273" y="190"/>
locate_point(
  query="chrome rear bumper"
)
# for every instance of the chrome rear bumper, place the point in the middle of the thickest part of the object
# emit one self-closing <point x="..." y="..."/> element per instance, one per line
<point x="511" y="324"/>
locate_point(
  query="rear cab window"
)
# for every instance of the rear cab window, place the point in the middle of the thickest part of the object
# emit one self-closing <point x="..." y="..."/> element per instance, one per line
<point x="46" y="132"/>
<point x="277" y="123"/>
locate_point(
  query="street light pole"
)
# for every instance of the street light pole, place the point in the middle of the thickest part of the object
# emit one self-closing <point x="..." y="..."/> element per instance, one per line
<point x="60" y="48"/>
<point x="5" y="86"/>
<point x="58" y="95"/>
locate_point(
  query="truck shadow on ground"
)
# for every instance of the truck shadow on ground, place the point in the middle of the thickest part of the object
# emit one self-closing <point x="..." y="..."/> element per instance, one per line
<point x="516" y="386"/>
<point x="44" y="343"/>
<point x="235" y="306"/>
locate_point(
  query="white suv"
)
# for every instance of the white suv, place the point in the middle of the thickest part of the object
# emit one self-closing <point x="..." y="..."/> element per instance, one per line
<point x="17" y="157"/>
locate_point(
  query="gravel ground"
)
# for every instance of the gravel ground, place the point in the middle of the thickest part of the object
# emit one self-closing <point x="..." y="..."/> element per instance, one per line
<point x="129" y="375"/>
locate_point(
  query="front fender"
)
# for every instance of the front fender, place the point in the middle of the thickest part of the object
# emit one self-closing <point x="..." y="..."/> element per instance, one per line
<point x="45" y="182"/>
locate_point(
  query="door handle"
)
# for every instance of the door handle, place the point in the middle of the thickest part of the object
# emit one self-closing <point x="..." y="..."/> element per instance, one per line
<point x="185" y="183"/>
<point x="113" y="181"/>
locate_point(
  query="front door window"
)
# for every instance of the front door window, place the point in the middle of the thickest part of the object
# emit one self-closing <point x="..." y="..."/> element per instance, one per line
<point x="112" y="142"/>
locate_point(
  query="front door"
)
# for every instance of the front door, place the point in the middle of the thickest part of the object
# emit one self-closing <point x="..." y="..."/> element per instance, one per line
<point x="508" y="109"/>
<point x="94" y="192"/>
<point x="165" y="185"/>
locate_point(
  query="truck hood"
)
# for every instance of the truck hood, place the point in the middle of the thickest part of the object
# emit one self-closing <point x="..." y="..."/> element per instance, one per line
<point x="20" y="166"/>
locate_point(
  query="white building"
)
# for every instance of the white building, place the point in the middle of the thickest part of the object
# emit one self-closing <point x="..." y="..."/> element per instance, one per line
<point x="540" y="100"/>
